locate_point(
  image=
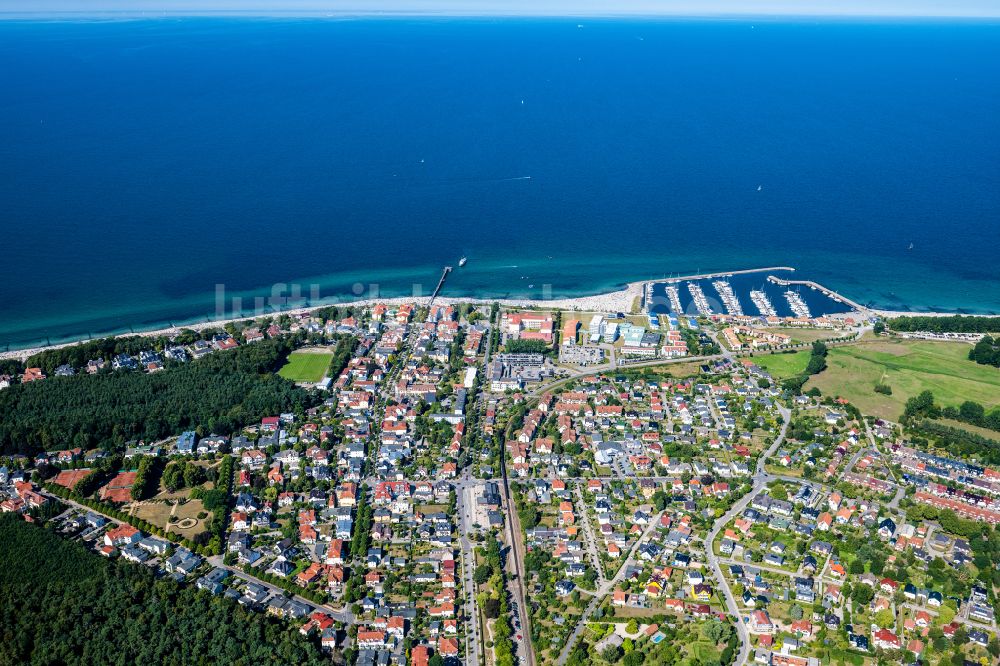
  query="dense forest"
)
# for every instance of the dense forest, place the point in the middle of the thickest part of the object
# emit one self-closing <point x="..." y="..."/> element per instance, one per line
<point x="106" y="348"/>
<point x="219" y="393"/>
<point x="952" y="324"/>
<point x="60" y="604"/>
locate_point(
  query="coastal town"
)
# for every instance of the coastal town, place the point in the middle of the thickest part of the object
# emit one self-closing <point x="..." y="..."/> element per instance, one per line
<point x="497" y="484"/>
<point x="500" y="333"/>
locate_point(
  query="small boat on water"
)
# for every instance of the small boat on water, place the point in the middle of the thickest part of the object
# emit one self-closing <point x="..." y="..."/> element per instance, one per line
<point x="462" y="261"/>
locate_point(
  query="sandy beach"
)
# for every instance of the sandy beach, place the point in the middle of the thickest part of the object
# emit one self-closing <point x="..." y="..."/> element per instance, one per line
<point x="615" y="301"/>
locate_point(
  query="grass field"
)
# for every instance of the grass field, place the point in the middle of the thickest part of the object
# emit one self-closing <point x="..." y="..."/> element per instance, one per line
<point x="305" y="366"/>
<point x="681" y="370"/>
<point x="807" y="334"/>
<point x="703" y="651"/>
<point x="982" y="432"/>
<point x="783" y="366"/>
<point x="909" y="367"/>
<point x="159" y="513"/>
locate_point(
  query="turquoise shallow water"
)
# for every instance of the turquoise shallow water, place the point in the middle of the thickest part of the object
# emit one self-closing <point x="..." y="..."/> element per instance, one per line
<point x="145" y="162"/>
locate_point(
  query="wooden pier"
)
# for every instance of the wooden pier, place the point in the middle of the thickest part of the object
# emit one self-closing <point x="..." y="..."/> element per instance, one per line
<point x="437" y="289"/>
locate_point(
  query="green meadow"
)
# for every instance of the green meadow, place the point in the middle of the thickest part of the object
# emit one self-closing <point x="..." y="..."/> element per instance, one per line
<point x="908" y="367"/>
<point x="306" y="366"/>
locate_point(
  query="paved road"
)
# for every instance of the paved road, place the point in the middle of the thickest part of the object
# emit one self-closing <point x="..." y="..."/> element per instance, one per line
<point x="893" y="504"/>
<point x="595" y="559"/>
<point x="604" y="590"/>
<point x="763" y="567"/>
<point x="725" y="354"/>
<point x="760" y="479"/>
<point x="597" y="370"/>
<point x="340" y="614"/>
<point x="464" y="498"/>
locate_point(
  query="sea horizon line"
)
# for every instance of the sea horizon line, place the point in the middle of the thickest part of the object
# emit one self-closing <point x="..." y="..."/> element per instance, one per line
<point x="596" y="9"/>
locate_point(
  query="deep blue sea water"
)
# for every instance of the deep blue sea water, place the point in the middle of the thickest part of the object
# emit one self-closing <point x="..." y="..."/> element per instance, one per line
<point x="144" y="162"/>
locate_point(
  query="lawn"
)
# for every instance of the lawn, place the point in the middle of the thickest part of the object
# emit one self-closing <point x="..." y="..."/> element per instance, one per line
<point x="782" y="366"/>
<point x="628" y="612"/>
<point x="306" y="366"/>
<point x="703" y="651"/>
<point x="908" y="367"/>
<point x="982" y="432"/>
<point x="159" y="513"/>
<point x="681" y="370"/>
<point x="808" y="334"/>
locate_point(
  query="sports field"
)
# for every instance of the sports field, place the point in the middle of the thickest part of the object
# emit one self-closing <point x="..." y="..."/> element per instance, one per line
<point x="908" y="367"/>
<point x="306" y="366"/>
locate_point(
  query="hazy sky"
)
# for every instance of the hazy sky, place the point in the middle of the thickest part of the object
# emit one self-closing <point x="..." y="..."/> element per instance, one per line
<point x="916" y="8"/>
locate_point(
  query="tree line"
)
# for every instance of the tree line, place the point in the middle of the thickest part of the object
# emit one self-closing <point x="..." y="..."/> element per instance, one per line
<point x="221" y="392"/>
<point x="342" y="355"/>
<point x="217" y="501"/>
<point x="60" y="604"/>
<point x="147" y="478"/>
<point x="527" y="347"/>
<point x="950" y="324"/>
<point x="986" y="352"/>
<point x="816" y="365"/>
<point x="957" y="441"/>
<point x="923" y="406"/>
<point x="77" y="356"/>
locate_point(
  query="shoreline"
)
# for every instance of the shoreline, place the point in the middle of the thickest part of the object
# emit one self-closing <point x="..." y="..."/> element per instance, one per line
<point x="620" y="300"/>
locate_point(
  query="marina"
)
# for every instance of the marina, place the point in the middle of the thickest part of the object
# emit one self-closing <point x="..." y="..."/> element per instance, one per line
<point x="674" y="296"/>
<point x="700" y="302"/>
<point x="762" y="303"/>
<point x="815" y="286"/>
<point x="759" y="292"/>
<point x="729" y="299"/>
<point x="797" y="305"/>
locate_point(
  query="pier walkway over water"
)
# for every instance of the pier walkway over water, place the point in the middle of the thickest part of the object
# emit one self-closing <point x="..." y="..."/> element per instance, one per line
<point x="720" y="274"/>
<point x="437" y="289"/>
<point x="817" y="286"/>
